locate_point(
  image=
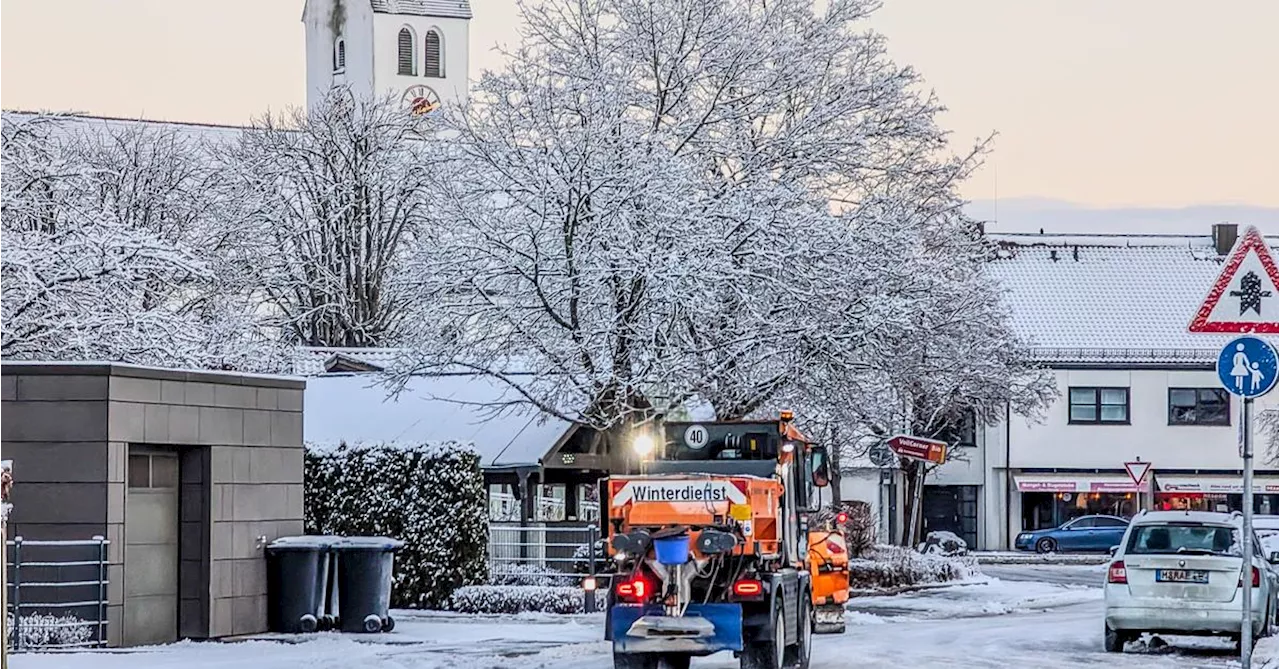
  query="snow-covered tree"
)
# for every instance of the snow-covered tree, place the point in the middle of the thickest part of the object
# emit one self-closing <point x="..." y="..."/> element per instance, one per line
<point x="330" y="197"/>
<point x="641" y="205"/>
<point x="953" y="366"/>
<point x="113" y="248"/>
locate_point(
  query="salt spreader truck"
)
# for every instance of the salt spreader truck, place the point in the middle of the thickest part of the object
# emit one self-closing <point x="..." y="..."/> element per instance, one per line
<point x="711" y="549"/>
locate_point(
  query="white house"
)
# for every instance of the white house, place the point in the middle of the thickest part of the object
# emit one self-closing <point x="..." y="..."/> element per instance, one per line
<point x="415" y="50"/>
<point x="1109" y="314"/>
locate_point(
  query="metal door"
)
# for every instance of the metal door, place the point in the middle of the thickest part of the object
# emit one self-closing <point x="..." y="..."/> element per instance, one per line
<point x="151" y="548"/>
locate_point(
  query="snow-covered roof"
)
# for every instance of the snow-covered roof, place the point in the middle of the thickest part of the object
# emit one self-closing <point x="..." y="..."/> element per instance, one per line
<point x="311" y="360"/>
<point x="450" y="9"/>
<point x="1109" y="298"/>
<point x="71" y="121"/>
<point x="462" y="408"/>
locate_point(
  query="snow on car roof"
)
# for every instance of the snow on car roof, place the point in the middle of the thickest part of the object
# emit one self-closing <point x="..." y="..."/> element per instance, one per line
<point x="1137" y="294"/>
<point x="1206" y="517"/>
<point x="357" y="408"/>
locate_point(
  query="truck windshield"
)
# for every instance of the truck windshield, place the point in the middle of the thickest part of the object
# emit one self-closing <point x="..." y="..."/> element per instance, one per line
<point x="1186" y="539"/>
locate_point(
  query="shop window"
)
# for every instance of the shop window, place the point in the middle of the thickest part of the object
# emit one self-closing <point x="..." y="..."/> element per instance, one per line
<point x="1098" y="406"/>
<point x="1199" y="406"/>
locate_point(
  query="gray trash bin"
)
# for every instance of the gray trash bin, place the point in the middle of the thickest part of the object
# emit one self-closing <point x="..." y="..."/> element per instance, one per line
<point x="364" y="583"/>
<point x="297" y="583"/>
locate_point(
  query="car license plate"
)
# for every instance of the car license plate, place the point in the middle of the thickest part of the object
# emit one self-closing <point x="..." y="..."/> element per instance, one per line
<point x="1182" y="576"/>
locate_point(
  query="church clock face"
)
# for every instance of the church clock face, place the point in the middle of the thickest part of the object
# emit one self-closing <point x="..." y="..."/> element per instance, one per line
<point x="421" y="99"/>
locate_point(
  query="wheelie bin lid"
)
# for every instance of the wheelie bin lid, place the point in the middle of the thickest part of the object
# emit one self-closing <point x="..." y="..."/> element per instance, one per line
<point x="302" y="543"/>
<point x="383" y="544"/>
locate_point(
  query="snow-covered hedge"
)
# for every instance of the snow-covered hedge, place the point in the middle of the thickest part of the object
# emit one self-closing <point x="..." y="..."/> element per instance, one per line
<point x="45" y="631"/>
<point x="429" y="496"/>
<point x="528" y="575"/>
<point x="890" y="567"/>
<point x="516" y="599"/>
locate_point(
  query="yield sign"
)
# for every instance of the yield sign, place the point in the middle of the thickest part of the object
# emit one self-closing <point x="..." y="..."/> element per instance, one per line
<point x="1246" y="296"/>
<point x="1137" y="471"/>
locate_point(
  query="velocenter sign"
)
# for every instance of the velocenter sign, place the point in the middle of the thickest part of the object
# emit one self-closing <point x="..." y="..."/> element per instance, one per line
<point x="918" y="448"/>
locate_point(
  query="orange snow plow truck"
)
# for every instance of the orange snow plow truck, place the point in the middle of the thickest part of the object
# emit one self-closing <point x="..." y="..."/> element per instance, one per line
<point x="711" y="549"/>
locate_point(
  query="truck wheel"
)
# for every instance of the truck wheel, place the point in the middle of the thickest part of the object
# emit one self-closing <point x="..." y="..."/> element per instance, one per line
<point x="768" y="654"/>
<point x="635" y="660"/>
<point x="804" y="636"/>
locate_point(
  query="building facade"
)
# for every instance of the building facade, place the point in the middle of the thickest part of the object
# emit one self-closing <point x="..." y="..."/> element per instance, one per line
<point x="415" y="50"/>
<point x="188" y="475"/>
<point x="1108" y="315"/>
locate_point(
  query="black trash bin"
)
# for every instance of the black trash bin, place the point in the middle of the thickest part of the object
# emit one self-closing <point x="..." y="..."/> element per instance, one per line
<point x="364" y="583"/>
<point x="297" y="583"/>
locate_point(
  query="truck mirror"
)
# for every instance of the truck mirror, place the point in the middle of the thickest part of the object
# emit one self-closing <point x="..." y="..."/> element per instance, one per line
<point x="819" y="466"/>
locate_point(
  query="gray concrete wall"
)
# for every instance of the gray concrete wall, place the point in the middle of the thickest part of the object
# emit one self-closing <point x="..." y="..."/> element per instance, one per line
<point x="68" y="428"/>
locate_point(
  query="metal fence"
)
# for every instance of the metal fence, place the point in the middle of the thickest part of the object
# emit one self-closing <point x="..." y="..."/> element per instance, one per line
<point x="57" y="594"/>
<point x="550" y="550"/>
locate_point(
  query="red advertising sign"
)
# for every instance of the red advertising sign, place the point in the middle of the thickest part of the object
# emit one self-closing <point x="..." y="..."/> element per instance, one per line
<point x="916" y="448"/>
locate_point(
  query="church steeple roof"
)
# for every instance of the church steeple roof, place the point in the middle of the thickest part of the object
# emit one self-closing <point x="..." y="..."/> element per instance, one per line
<point x="449" y="9"/>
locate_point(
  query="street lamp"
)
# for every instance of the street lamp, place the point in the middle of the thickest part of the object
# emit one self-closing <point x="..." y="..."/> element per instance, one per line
<point x="643" y="444"/>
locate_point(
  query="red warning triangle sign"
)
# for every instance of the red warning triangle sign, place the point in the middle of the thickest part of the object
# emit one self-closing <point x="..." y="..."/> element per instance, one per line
<point x="1246" y="297"/>
<point x="1137" y="471"/>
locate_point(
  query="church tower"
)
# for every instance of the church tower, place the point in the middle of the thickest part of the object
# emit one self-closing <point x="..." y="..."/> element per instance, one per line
<point x="415" y="50"/>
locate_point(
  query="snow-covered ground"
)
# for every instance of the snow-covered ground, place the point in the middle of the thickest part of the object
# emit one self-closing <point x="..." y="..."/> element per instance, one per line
<point x="1047" y="617"/>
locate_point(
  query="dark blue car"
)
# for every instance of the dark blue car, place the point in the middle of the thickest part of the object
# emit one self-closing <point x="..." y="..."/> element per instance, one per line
<point x="1086" y="533"/>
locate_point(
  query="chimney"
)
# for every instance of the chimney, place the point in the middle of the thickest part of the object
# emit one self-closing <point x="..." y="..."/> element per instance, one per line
<point x="1224" y="237"/>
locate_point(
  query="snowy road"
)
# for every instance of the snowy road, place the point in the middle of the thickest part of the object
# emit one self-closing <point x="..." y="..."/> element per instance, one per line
<point x="1046" y="617"/>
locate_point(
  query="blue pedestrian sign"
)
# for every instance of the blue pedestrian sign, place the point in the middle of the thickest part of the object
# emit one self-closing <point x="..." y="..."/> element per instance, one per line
<point x="1247" y="367"/>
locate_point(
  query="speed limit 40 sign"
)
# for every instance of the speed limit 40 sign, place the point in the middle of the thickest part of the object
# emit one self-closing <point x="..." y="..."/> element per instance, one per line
<point x="696" y="437"/>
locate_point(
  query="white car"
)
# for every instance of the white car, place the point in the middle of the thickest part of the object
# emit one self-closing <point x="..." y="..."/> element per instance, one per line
<point x="1268" y="530"/>
<point x="1179" y="572"/>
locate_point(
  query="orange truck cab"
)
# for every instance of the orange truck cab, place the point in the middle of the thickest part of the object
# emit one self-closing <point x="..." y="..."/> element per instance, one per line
<point x="711" y="549"/>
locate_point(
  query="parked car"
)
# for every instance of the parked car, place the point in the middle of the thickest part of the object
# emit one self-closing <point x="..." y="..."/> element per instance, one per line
<point x="1180" y="572"/>
<point x="1267" y="529"/>
<point x="1086" y="533"/>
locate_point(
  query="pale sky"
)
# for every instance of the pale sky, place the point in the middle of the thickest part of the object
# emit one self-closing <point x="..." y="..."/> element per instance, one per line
<point x="1103" y="103"/>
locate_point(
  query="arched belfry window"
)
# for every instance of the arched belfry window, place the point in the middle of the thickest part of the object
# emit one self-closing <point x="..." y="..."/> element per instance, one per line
<point x="340" y="55"/>
<point x="435" y="65"/>
<point x="404" y="52"/>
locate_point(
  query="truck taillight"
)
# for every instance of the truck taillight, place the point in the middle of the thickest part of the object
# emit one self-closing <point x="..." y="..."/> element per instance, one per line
<point x="835" y="548"/>
<point x="637" y="589"/>
<point x="1257" y="579"/>
<point x="1116" y="573"/>
<point x="748" y="588"/>
<point x="842" y="518"/>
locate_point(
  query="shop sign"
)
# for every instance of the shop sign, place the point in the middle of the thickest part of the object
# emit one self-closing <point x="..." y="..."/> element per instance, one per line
<point x="1216" y="487"/>
<point x="1047" y="486"/>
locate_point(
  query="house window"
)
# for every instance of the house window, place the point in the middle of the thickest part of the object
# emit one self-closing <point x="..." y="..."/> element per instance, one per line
<point x="1098" y="406"/>
<point x="404" y="52"/>
<point x="549" y="505"/>
<point x="340" y="56"/>
<point x="1199" y="406"/>
<point x="503" y="505"/>
<point x="434" y="67"/>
